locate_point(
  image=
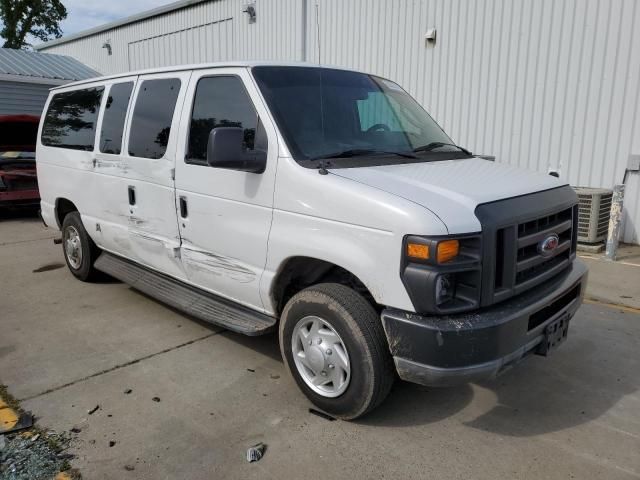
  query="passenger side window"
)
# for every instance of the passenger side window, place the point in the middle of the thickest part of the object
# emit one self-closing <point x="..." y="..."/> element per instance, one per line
<point x="70" y="121"/>
<point x="219" y="102"/>
<point x="152" y="117"/>
<point x="115" y="112"/>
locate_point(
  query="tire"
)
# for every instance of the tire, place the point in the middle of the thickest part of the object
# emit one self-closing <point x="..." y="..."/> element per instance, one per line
<point x="80" y="265"/>
<point x="357" y="332"/>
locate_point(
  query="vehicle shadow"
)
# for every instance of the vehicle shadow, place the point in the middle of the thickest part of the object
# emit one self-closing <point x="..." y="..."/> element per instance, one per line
<point x="580" y="382"/>
<point x="27" y="214"/>
<point x="409" y="405"/>
<point x="577" y="386"/>
<point x="266" y="345"/>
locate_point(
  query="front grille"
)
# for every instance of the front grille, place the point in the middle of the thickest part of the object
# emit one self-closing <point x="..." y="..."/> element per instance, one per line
<point x="530" y="263"/>
<point x="513" y="229"/>
<point x="519" y="265"/>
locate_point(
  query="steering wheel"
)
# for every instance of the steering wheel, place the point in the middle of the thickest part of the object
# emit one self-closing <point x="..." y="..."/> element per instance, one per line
<point x="379" y="127"/>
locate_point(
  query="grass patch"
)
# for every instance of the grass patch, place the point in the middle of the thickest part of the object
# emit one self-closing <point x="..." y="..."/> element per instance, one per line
<point x="9" y="399"/>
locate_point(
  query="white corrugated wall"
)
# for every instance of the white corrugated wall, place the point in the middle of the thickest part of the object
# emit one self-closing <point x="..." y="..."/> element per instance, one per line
<point x="545" y="84"/>
<point x="210" y="31"/>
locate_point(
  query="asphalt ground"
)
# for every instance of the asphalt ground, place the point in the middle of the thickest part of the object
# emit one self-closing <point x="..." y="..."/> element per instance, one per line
<point x="67" y="347"/>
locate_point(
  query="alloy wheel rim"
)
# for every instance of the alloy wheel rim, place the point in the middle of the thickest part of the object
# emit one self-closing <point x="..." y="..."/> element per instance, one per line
<point x="73" y="247"/>
<point x="321" y="357"/>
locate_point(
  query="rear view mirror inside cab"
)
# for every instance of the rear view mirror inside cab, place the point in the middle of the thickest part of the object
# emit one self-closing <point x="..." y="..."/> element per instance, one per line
<point x="226" y="148"/>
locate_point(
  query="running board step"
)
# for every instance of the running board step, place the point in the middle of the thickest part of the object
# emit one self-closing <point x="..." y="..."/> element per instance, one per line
<point x="202" y="305"/>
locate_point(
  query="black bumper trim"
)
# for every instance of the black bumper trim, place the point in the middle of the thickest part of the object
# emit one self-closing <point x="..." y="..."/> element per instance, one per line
<point x="447" y="377"/>
<point x="453" y="349"/>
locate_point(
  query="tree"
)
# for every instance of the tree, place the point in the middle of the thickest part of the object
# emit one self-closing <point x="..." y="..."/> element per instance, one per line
<point x="38" y="18"/>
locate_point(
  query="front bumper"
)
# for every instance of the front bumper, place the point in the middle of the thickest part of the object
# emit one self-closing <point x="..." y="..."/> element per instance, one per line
<point x="453" y="349"/>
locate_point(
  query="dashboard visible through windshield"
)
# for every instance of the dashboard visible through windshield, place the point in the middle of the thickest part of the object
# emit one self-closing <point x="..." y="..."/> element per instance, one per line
<point x="350" y="119"/>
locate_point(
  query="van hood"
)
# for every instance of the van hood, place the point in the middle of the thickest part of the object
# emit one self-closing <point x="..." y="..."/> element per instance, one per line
<point x="452" y="189"/>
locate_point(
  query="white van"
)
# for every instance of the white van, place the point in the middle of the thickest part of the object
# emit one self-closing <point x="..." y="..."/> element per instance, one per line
<point x="320" y="201"/>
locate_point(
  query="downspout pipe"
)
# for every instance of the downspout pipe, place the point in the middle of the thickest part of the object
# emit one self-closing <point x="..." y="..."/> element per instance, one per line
<point x="303" y="40"/>
<point x="615" y="221"/>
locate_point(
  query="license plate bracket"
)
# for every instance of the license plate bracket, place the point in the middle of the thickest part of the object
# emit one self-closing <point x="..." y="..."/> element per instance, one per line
<point x="555" y="333"/>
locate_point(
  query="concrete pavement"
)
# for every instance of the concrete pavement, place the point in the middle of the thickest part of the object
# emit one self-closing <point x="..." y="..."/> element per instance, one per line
<point x="615" y="282"/>
<point x="67" y="346"/>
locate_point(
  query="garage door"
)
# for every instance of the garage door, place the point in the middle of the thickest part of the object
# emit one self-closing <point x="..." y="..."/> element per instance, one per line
<point x="211" y="42"/>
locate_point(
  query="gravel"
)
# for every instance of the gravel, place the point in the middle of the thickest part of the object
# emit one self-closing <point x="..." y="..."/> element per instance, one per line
<point x="35" y="456"/>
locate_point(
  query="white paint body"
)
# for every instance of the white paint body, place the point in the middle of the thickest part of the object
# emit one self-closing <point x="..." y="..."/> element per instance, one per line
<point x="243" y="227"/>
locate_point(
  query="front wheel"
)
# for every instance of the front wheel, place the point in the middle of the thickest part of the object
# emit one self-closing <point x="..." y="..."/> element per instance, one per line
<point x="79" y="250"/>
<point x="333" y="343"/>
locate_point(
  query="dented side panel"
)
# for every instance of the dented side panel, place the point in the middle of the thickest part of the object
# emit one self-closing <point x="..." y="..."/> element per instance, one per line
<point x="147" y="215"/>
<point x="98" y="185"/>
<point x="229" y="212"/>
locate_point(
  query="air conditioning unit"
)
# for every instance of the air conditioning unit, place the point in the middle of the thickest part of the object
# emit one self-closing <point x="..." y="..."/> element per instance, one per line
<point x="593" y="213"/>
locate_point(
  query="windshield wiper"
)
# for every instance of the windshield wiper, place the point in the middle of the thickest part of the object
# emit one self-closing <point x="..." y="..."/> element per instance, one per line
<point x="434" y="145"/>
<point x="360" y="152"/>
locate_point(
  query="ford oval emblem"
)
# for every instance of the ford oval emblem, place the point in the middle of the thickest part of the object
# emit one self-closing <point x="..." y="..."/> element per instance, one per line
<point x="547" y="246"/>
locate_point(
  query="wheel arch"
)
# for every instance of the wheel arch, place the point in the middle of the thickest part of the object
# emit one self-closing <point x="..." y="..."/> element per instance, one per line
<point x="299" y="272"/>
<point x="63" y="207"/>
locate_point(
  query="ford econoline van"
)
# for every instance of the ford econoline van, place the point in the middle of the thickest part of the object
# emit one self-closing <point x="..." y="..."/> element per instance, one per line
<point x="321" y="202"/>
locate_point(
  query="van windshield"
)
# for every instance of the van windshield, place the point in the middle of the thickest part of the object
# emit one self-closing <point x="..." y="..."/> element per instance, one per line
<point x="351" y="118"/>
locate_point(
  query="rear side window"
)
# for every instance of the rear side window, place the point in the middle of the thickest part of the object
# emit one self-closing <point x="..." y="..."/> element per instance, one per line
<point x="115" y="112"/>
<point x="70" y="121"/>
<point x="152" y="117"/>
<point x="220" y="102"/>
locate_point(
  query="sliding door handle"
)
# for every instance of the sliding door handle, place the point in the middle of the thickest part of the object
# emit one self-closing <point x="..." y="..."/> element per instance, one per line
<point x="132" y="195"/>
<point x="183" y="207"/>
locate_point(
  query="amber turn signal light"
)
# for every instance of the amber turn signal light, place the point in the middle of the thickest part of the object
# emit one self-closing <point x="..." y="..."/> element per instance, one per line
<point x="417" y="250"/>
<point x="448" y="250"/>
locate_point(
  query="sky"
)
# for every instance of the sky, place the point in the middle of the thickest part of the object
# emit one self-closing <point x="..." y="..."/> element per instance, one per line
<point x="85" y="14"/>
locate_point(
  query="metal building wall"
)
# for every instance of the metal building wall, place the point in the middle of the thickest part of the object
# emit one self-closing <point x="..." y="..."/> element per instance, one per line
<point x="544" y="84"/>
<point x="210" y="31"/>
<point x="18" y="98"/>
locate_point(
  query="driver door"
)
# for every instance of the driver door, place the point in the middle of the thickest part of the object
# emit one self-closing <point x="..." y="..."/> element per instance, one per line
<point x="224" y="215"/>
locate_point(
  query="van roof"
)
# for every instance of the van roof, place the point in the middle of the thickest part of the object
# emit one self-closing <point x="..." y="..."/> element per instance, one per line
<point x="201" y="66"/>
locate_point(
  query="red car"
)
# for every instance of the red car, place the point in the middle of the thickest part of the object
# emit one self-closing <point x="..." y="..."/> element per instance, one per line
<point x="18" y="180"/>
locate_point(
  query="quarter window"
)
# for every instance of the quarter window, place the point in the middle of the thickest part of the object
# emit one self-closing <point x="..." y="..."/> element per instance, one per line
<point x="220" y="102"/>
<point x="115" y="112"/>
<point x="152" y="117"/>
<point x="70" y="121"/>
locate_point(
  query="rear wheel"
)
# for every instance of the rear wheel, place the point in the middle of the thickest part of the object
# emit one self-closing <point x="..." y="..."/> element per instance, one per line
<point x="333" y="344"/>
<point x="79" y="250"/>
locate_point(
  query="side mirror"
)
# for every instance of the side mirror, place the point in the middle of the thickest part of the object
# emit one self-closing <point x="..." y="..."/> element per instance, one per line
<point x="224" y="150"/>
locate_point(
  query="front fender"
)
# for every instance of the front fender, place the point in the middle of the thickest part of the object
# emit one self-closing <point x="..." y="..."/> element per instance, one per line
<point x="371" y="255"/>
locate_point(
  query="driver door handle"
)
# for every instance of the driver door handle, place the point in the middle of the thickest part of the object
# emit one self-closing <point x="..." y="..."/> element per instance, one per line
<point x="132" y="195"/>
<point x="183" y="207"/>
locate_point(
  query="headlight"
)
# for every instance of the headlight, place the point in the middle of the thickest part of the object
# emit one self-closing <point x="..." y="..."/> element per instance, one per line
<point x="443" y="251"/>
<point x="447" y="250"/>
<point x="442" y="274"/>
